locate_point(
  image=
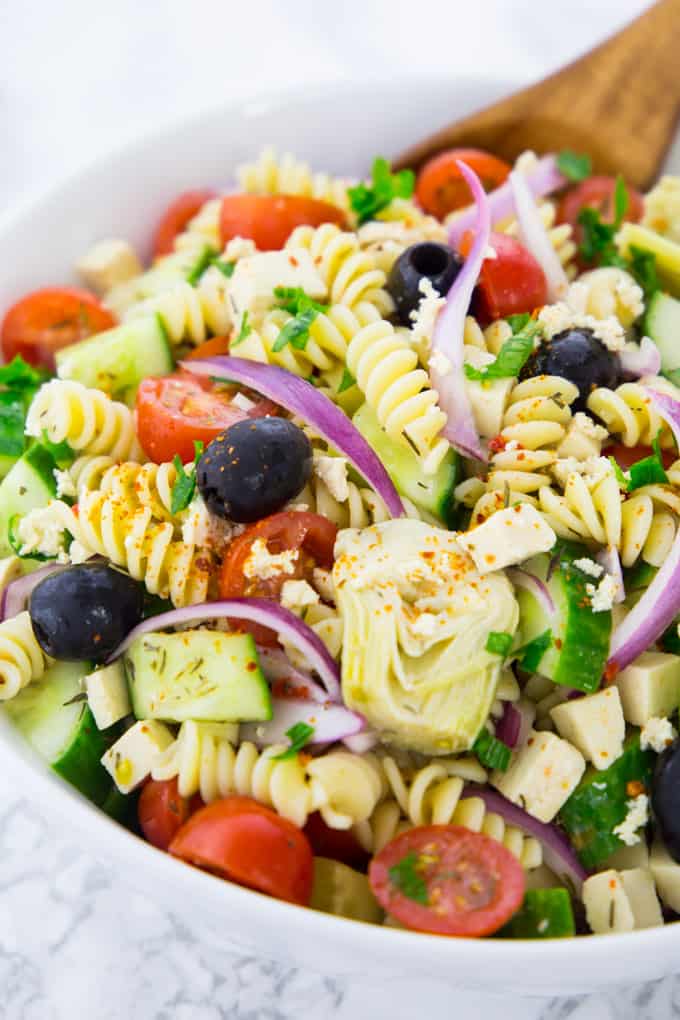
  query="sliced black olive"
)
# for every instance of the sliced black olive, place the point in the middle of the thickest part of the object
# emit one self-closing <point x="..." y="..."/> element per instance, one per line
<point x="436" y="262"/>
<point x="666" y="798"/>
<point x="577" y="355"/>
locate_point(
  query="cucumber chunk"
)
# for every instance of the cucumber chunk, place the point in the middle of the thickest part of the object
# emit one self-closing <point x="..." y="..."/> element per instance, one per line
<point x="344" y="892"/>
<point x="667" y="253"/>
<point x="433" y="493"/>
<point x="571" y="645"/>
<point x="28" y="485"/>
<point x="662" y="325"/>
<point x="600" y="803"/>
<point x="62" y="730"/>
<point x="118" y="359"/>
<point x="545" y="914"/>
<point x="203" y="675"/>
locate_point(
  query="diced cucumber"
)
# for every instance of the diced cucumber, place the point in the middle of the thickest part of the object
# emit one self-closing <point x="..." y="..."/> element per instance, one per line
<point x="545" y="914"/>
<point x="28" y="485"/>
<point x="600" y="803"/>
<point x="117" y="360"/>
<point x="433" y="493"/>
<point x="572" y="644"/>
<point x="197" y="674"/>
<point x="62" y="730"/>
<point x="662" y="325"/>
<point x="667" y="253"/>
<point x="344" y="892"/>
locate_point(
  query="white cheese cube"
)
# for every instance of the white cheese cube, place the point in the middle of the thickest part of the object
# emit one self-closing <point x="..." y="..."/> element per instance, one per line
<point x="251" y="288"/>
<point x="628" y="857"/>
<point x="608" y="908"/>
<point x="542" y="775"/>
<point x="650" y="687"/>
<point x="107" y="694"/>
<point x="107" y="264"/>
<point x="509" y="536"/>
<point x="666" y="873"/>
<point x="131" y="758"/>
<point x="594" y="724"/>
<point x="638" y="884"/>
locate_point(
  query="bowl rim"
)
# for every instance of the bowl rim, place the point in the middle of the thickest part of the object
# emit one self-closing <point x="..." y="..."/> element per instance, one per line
<point x="114" y="842"/>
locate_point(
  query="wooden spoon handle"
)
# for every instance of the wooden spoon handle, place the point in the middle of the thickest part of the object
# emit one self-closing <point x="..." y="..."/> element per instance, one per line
<point x="620" y="103"/>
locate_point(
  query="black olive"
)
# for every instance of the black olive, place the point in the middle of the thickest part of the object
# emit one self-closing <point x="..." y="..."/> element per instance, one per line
<point x="254" y="468"/>
<point x="85" y="611"/>
<point x="577" y="355"/>
<point x="437" y="262"/>
<point x="666" y="798"/>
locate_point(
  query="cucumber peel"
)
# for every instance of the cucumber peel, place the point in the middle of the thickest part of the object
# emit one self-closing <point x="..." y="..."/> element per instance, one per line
<point x="544" y="914"/>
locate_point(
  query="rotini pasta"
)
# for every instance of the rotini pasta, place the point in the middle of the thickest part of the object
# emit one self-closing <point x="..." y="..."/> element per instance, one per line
<point x="628" y="413"/>
<point x="605" y="292"/>
<point x="271" y="175"/>
<point x="190" y="313"/>
<point x="561" y="235"/>
<point x="22" y="660"/>
<point x="87" y="419"/>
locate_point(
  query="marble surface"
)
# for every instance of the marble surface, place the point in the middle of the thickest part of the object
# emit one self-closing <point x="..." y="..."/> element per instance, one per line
<point x="76" y="78"/>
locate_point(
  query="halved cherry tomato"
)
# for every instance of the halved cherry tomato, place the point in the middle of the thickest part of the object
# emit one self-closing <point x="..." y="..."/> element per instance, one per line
<point x="312" y="535"/>
<point x="447" y="880"/>
<point x="627" y="455"/>
<point x="511" y="283"/>
<point x="161" y="812"/>
<point x="175" y="410"/>
<point x="210" y="348"/>
<point x="241" y="840"/>
<point x="269" y="220"/>
<point x="46" y="320"/>
<point x="597" y="193"/>
<point x="441" y="188"/>
<point x="338" y="844"/>
<point x="177" y="215"/>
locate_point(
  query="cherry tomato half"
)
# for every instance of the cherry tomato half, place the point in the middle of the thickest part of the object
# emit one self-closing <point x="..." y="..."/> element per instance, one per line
<point x="311" y="534"/>
<point x="161" y="812"/>
<point x="269" y="220"/>
<point x="447" y="880"/>
<point x="241" y="840"/>
<point x="597" y="193"/>
<point x="627" y="455"/>
<point x="46" y="320"/>
<point x="441" y="188"/>
<point x="176" y="216"/>
<point x="175" y="410"/>
<point x="511" y="283"/>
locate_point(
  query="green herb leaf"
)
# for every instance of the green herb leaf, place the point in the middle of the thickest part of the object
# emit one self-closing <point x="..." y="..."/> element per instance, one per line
<point x="642" y="265"/>
<point x="533" y="651"/>
<point x="243" y="332"/>
<point x="518" y="322"/>
<point x="511" y="357"/>
<point x="620" y="201"/>
<point x="499" y="642"/>
<point x="205" y="259"/>
<point x="649" y="470"/>
<point x="405" y="877"/>
<point x="185" y="484"/>
<point x="347" y="380"/>
<point x="226" y="268"/>
<point x="368" y="199"/>
<point x="492" y="752"/>
<point x="574" y="166"/>
<point x="296" y="331"/>
<point x="19" y="375"/>
<point x="61" y="452"/>
<point x="296" y="301"/>
<point x="598" y="245"/>
<point x="299" y="735"/>
<point x="620" y="477"/>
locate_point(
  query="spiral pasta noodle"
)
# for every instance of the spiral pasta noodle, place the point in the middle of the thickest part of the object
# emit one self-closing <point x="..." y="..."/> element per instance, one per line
<point x="561" y="235"/>
<point x="22" y="660"/>
<point x="605" y="292"/>
<point x="629" y="414"/>
<point x="190" y="313"/>
<point x="361" y="508"/>
<point x="202" y="231"/>
<point x="286" y="175"/>
<point x="87" y="419"/>
<point x="147" y="484"/>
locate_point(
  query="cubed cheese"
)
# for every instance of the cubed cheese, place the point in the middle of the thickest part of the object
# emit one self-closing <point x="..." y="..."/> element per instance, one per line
<point x="132" y="757"/>
<point x="583" y="438"/>
<point x="509" y="536"/>
<point x="333" y="473"/>
<point x="542" y="775"/>
<point x="594" y="724"/>
<point x="252" y="286"/>
<point x="107" y="264"/>
<point x="650" y="687"/>
<point x="621" y="901"/>
<point x="107" y="694"/>
<point x="666" y="874"/>
<point x="638" y="884"/>
<point x="489" y="401"/>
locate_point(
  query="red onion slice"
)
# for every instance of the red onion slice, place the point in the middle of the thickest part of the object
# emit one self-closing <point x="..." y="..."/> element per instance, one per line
<point x="17" y="593"/>
<point x="301" y="398"/>
<point x="611" y="561"/>
<point x="542" y="180"/>
<point x="277" y="666"/>
<point x="534" y="585"/>
<point x="660" y="603"/>
<point x="535" y="238"/>
<point x="637" y="361"/>
<point x="509" y="725"/>
<point x="269" y="614"/>
<point x="558" y="853"/>
<point x="331" y="722"/>
<point x="447" y="341"/>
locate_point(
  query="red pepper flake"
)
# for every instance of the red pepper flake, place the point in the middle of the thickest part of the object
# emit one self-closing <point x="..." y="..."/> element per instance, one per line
<point x="610" y="673"/>
<point x="497" y="444"/>
<point x="634" y="788"/>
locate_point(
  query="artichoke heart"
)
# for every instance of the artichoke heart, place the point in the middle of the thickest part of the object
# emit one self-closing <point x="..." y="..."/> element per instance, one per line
<point x="416" y="617"/>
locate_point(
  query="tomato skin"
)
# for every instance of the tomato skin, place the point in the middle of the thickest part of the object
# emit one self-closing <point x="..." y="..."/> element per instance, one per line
<point x="627" y="455"/>
<point x="209" y="348"/>
<point x="44" y="321"/>
<point x="269" y="220"/>
<point x="441" y="188"/>
<point x="243" y="841"/>
<point x="161" y="812"/>
<point x="176" y="216"/>
<point x="337" y="844"/>
<point x="472" y="883"/>
<point x="174" y="410"/>
<point x="597" y="193"/>
<point x="313" y="535"/>
<point x="510" y="284"/>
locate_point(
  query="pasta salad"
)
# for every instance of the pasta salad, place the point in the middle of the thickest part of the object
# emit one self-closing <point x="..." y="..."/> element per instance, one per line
<point x="339" y="543"/>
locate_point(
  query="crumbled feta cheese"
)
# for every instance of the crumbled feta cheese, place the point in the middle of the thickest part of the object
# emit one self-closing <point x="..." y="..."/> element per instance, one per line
<point x="440" y="363"/>
<point x="333" y="473"/>
<point x="588" y="427"/>
<point x="323" y="582"/>
<point x="239" y="248"/>
<point x="560" y="316"/>
<point x="205" y="530"/>
<point x="593" y="470"/>
<point x="657" y="733"/>
<point x="425" y="316"/>
<point x="65" y="486"/>
<point x="637" y="816"/>
<point x="41" y="531"/>
<point x="297" y="595"/>
<point x="589" y="567"/>
<point x="603" y="596"/>
<point x="508" y="537"/>
<point x="243" y="402"/>
<point x="265" y="565"/>
<point x="107" y="264"/>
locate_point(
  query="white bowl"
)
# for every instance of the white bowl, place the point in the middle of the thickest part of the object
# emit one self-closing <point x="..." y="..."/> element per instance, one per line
<point x="337" y="129"/>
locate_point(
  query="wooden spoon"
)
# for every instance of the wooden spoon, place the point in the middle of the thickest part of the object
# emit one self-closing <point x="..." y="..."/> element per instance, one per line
<point x="620" y="103"/>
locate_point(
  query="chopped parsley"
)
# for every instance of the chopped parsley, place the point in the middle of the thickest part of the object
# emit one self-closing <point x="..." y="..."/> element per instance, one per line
<point x="499" y="642"/>
<point x="243" y="332"/>
<point x="205" y="259"/>
<point x="347" y="380"/>
<point x="492" y="752"/>
<point x="598" y="245"/>
<point x="185" y="484"/>
<point x="304" y="310"/>
<point x="620" y="477"/>
<point x="19" y="375"/>
<point x="649" y="470"/>
<point x="534" y="650"/>
<point x="511" y="357"/>
<point x="368" y="199"/>
<point x="19" y="382"/>
<point x="299" y="735"/>
<point x="406" y="877"/>
<point x="226" y="268"/>
<point x="575" y="166"/>
<point x="296" y="301"/>
<point x="642" y="266"/>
